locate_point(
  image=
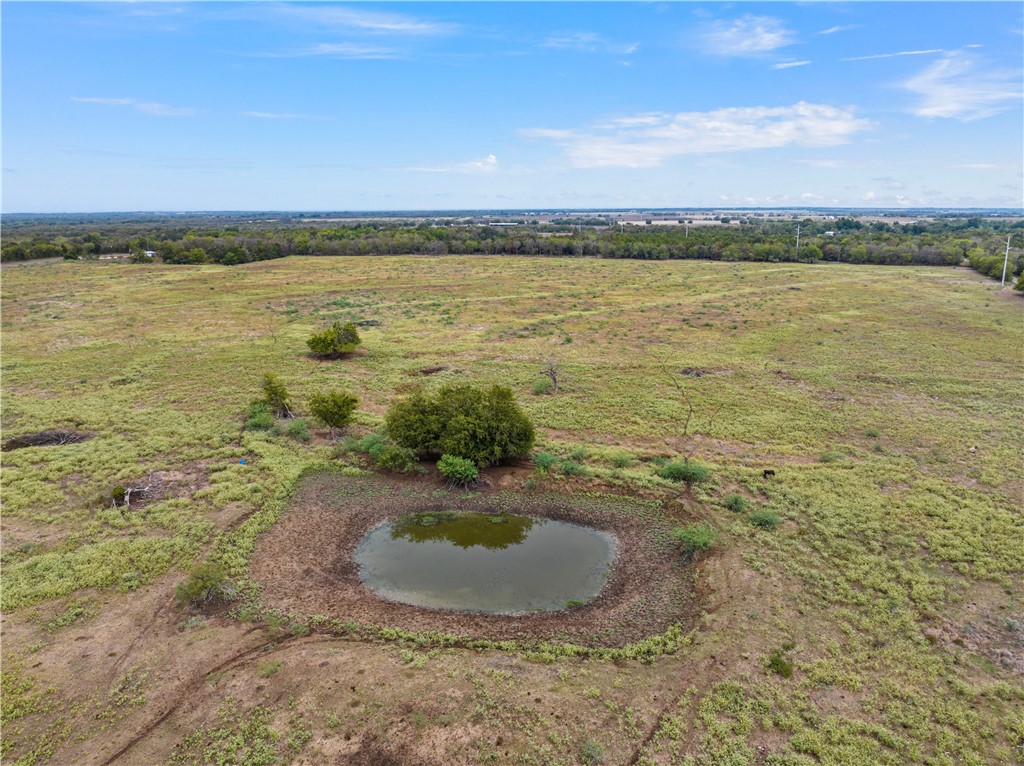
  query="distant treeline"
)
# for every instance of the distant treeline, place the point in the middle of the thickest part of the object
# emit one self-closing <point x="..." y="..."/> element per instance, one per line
<point x="944" y="242"/>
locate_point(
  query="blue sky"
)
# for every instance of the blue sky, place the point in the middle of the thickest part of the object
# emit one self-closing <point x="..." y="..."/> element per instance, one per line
<point x="372" y="106"/>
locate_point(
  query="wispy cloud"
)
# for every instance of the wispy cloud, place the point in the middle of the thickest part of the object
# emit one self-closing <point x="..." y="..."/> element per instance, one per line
<point x="956" y="86"/>
<point x="839" y="28"/>
<point x="488" y="164"/>
<point x="367" y="21"/>
<point x="149" y="107"/>
<point x="976" y="166"/>
<point x="589" y="42"/>
<point x="652" y="138"/>
<point x="928" y="52"/>
<point x="790" y="64"/>
<point x="336" y="50"/>
<point x="746" y="36"/>
<point x="282" y="116"/>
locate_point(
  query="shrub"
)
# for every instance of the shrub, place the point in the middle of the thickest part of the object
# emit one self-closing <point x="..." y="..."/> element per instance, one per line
<point x="695" y="537"/>
<point x="259" y="417"/>
<point x="777" y="663"/>
<point x="572" y="468"/>
<point x="829" y="457"/>
<point x="207" y="583"/>
<point x="541" y="387"/>
<point x="485" y="426"/>
<point x="371" y="445"/>
<point x="333" y="408"/>
<point x="736" y="503"/>
<point x="298" y="429"/>
<point x="276" y="396"/>
<point x="591" y="752"/>
<point x="580" y="453"/>
<point x="622" y="460"/>
<point x="691" y="473"/>
<point x="398" y="459"/>
<point x="874" y="433"/>
<point x="336" y="340"/>
<point x="457" y="470"/>
<point x="118" y="493"/>
<point x="764" y="519"/>
<point x="544" y="460"/>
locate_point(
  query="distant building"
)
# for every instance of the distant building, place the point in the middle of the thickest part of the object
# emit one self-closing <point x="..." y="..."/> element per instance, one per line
<point x="149" y="253"/>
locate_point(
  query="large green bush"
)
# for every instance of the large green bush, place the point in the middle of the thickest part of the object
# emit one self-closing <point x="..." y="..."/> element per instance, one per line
<point x="336" y="340"/>
<point x="333" y="408"/>
<point x="484" y="425"/>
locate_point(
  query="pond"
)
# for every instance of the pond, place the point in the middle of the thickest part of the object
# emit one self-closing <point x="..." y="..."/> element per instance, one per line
<point x="502" y="564"/>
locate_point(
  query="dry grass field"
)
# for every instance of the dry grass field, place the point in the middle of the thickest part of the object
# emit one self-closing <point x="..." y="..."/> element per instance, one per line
<point x="880" y="621"/>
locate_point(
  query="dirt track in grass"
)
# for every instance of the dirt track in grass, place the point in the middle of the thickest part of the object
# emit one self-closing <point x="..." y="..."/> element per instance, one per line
<point x="305" y="563"/>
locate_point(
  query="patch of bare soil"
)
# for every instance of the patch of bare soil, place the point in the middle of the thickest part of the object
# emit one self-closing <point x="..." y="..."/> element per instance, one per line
<point x="305" y="563"/>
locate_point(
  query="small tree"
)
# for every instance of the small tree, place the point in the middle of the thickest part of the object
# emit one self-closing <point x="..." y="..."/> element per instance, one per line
<point x="552" y="370"/>
<point x="333" y="408"/>
<point x="276" y="396"/>
<point x="336" y="340"/>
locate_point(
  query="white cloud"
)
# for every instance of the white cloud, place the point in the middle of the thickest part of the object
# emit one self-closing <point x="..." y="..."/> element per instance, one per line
<point x="746" y="36"/>
<point x="337" y="50"/>
<point x="790" y="64"/>
<point x="589" y="42"/>
<point x="649" y="139"/>
<point x="367" y="21"/>
<point x="956" y="87"/>
<point x="839" y="28"/>
<point x="488" y="164"/>
<point x="149" y="107"/>
<point x="873" y="56"/>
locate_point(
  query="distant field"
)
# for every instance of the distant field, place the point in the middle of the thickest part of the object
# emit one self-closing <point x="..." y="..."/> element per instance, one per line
<point x="879" y="623"/>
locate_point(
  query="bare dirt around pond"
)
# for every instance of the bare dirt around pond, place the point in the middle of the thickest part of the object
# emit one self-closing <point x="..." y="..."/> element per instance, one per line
<point x="305" y="565"/>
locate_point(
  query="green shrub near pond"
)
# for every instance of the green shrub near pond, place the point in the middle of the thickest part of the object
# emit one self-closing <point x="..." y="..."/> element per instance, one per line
<point x="695" y="537"/>
<point x="457" y="470"/>
<point x="687" y="471"/>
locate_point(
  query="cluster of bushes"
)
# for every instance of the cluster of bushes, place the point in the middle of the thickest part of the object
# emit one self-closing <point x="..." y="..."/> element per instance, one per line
<point x="763" y="518"/>
<point x="482" y="425"/>
<point x="333" y="409"/>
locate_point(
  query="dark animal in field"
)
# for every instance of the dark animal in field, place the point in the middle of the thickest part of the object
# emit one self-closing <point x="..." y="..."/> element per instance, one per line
<point x="769" y="473"/>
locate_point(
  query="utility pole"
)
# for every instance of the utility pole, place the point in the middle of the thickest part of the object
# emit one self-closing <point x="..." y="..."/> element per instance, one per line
<point x="797" y="253"/>
<point x="1006" y="260"/>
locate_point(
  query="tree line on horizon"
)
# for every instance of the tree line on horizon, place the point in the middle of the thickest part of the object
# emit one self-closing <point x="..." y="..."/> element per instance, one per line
<point x="944" y="242"/>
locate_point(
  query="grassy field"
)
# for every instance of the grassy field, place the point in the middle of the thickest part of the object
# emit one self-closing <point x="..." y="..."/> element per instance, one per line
<point x="880" y="622"/>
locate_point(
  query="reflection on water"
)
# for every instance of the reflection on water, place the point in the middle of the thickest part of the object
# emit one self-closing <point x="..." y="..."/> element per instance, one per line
<point x="500" y="564"/>
<point x="465" y="529"/>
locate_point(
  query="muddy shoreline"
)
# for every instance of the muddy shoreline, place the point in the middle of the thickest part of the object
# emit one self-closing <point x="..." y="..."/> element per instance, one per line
<point x="305" y="564"/>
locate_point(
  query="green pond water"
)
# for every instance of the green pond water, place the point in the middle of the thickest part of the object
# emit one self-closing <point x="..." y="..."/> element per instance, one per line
<point x="476" y="562"/>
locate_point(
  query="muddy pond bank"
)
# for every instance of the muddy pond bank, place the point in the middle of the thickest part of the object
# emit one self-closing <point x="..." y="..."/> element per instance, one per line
<point x="305" y="563"/>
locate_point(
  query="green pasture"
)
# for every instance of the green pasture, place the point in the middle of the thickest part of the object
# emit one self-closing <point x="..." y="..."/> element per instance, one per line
<point x="887" y="400"/>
